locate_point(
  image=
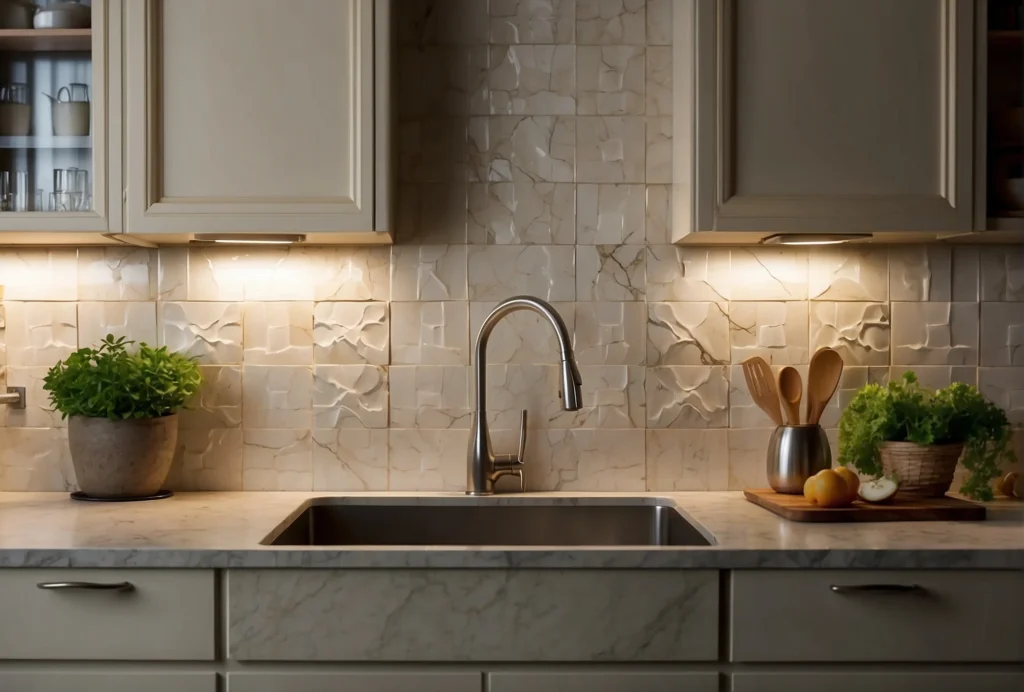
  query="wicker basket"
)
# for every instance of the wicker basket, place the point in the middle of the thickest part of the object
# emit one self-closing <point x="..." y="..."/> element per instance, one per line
<point x="924" y="471"/>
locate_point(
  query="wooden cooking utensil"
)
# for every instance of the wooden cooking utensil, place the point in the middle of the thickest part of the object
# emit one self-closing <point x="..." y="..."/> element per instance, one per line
<point x="762" y="387"/>
<point x="791" y="389"/>
<point x="822" y="380"/>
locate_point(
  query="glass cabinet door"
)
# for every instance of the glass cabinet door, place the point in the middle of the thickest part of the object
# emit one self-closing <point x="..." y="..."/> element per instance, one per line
<point x="56" y="136"/>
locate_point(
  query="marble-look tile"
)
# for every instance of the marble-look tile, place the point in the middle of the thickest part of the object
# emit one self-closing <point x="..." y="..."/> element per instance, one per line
<point x="210" y="332"/>
<point x="850" y="382"/>
<point x="532" y="80"/>
<point x="776" y="332"/>
<point x="434" y="150"/>
<point x="688" y="333"/>
<point x="532" y="21"/>
<point x="219" y="401"/>
<point x="428" y="272"/>
<point x="350" y="460"/>
<point x="659" y="149"/>
<point x="541" y="148"/>
<point x="858" y="331"/>
<point x="680" y="460"/>
<point x="277" y="460"/>
<point x="1005" y="388"/>
<point x="1002" y="273"/>
<point x="499" y="272"/>
<point x="936" y="334"/>
<point x="659" y="22"/>
<point x="610" y="272"/>
<point x="431" y="212"/>
<point x="610" y="214"/>
<point x="430" y="333"/>
<point x="350" y="396"/>
<point x="351" y="333"/>
<point x="221" y="273"/>
<point x="278" y="333"/>
<point x="38" y="411"/>
<point x="583" y="460"/>
<point x="450" y="22"/>
<point x="39" y="274"/>
<point x="434" y="80"/>
<point x="848" y="273"/>
<point x="611" y="22"/>
<point x="116" y="273"/>
<point x="936" y="376"/>
<point x="172" y="273"/>
<point x="134" y="321"/>
<point x="687" y="397"/>
<point x="743" y="412"/>
<point x="349" y="273"/>
<point x="611" y="149"/>
<point x="427" y="459"/>
<point x="688" y="274"/>
<point x="933" y="272"/>
<point x="277" y="396"/>
<point x="36" y="459"/>
<point x="40" y="333"/>
<point x="520" y="337"/>
<point x="207" y="459"/>
<point x="1002" y="332"/>
<point x="748" y="460"/>
<point x="658" y="222"/>
<point x="3" y="330"/>
<point x="612" y="80"/>
<point x="610" y="333"/>
<point x="430" y="396"/>
<point x="613" y="397"/>
<point x="522" y="213"/>
<point x="659" y="81"/>
<point x="768" y="273"/>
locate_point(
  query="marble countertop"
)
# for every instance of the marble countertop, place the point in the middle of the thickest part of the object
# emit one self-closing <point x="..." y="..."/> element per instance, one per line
<point x="221" y="530"/>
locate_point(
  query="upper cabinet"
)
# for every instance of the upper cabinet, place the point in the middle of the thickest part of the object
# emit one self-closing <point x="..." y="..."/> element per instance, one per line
<point x="256" y="117"/>
<point x="60" y="121"/>
<point x="834" y="116"/>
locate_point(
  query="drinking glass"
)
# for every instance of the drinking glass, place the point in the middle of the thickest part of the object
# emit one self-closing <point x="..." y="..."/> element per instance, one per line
<point x="20" y="192"/>
<point x="61" y="180"/>
<point x="61" y="201"/>
<point x="79" y="182"/>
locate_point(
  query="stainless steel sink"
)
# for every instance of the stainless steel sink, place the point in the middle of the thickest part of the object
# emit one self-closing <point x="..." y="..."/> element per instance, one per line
<point x="342" y="521"/>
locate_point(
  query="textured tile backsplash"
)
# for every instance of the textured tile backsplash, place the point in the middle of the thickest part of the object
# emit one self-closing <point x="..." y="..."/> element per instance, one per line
<point x="534" y="157"/>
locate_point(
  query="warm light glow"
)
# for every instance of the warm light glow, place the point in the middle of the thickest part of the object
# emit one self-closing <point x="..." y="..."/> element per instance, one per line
<point x="248" y="238"/>
<point x="226" y="241"/>
<point x="814" y="238"/>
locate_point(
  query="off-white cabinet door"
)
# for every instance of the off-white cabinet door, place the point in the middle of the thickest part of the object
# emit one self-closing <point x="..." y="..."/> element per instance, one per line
<point x="250" y="116"/>
<point x="355" y="682"/>
<point x="889" y="681"/>
<point x="102" y="681"/>
<point x="823" y="116"/>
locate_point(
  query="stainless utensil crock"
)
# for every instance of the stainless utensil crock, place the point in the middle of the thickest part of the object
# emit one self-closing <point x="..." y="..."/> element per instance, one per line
<point x="795" y="453"/>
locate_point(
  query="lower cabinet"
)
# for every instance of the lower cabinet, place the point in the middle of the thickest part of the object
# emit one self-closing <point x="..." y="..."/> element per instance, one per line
<point x="575" y="681"/>
<point x="895" y="681"/>
<point x="101" y="681"/>
<point x="354" y="682"/>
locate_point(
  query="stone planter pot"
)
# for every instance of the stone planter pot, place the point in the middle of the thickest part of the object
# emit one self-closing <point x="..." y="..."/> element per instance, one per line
<point x="122" y="458"/>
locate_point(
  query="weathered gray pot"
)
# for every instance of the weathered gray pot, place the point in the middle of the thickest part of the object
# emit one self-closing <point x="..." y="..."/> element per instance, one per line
<point x="122" y="458"/>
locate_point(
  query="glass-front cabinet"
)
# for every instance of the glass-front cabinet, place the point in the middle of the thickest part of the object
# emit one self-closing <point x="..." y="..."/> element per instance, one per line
<point x="60" y="105"/>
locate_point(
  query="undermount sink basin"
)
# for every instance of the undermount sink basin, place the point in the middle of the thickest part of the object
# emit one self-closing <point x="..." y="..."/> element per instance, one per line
<point x="384" y="522"/>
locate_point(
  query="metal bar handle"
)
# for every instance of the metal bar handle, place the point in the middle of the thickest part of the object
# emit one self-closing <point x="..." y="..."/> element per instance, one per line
<point x="85" y="586"/>
<point x="877" y="588"/>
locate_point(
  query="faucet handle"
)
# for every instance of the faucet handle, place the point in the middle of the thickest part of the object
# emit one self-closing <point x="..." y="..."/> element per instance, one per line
<point x="518" y="473"/>
<point x="522" y="441"/>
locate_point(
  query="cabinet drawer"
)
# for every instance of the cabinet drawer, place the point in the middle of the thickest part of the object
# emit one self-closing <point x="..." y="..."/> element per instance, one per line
<point x="102" y="681"/>
<point x="167" y="615"/>
<point x="854" y="615"/>
<point x="472" y="615"/>
<point x="889" y="681"/>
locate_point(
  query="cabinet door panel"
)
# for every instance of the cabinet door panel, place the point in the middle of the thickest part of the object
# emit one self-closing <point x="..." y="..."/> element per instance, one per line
<point x="92" y="681"/>
<point x="894" y="681"/>
<point x="574" y="681"/>
<point x="355" y="682"/>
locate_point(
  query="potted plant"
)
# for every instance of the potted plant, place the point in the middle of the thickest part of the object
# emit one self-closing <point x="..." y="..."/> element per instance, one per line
<point x="122" y="405"/>
<point x="920" y="436"/>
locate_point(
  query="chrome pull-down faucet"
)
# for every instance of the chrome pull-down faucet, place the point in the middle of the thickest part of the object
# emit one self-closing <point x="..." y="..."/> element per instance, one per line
<point x="483" y="467"/>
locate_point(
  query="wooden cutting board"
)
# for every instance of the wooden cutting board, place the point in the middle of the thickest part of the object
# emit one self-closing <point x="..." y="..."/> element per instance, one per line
<point x="796" y="508"/>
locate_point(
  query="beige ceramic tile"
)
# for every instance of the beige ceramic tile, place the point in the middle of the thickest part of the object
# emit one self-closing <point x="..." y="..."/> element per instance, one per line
<point x="859" y="332"/>
<point x="768" y="274"/>
<point x="532" y="80"/>
<point x="776" y="332"/>
<point x="430" y="333"/>
<point x="681" y="460"/>
<point x="1002" y="273"/>
<point x="114" y="273"/>
<point x="848" y="273"/>
<point x="610" y="272"/>
<point x="134" y="321"/>
<point x="1002" y="332"/>
<point x="613" y="397"/>
<point x="351" y="333"/>
<point x="207" y="459"/>
<point x="36" y="459"/>
<point x="659" y="149"/>
<point x="277" y="396"/>
<point x="39" y="274"/>
<point x="350" y="460"/>
<point x="219" y="401"/>
<point x="743" y="412"/>
<point x="935" y="334"/>
<point x="687" y="397"/>
<point x="172" y="273"/>
<point x="541" y="148"/>
<point x="38" y="411"/>
<point x="434" y="150"/>
<point x="350" y="396"/>
<point x="500" y="272"/>
<point x="520" y="337"/>
<point x="40" y="333"/>
<point x="1005" y="388"/>
<point x="349" y="273"/>
<point x="434" y="80"/>
<point x="611" y="22"/>
<point x="522" y="213"/>
<point x="210" y="332"/>
<point x="687" y="334"/>
<point x="933" y="272"/>
<point x="3" y="332"/>
<point x="221" y="273"/>
<point x="431" y="213"/>
<point x="659" y="22"/>
<point x="427" y="459"/>
<point x="610" y="214"/>
<point x="428" y="272"/>
<point x="659" y="81"/>
<point x="748" y="464"/>
<point x="532" y="21"/>
<point x="687" y="274"/>
<point x="430" y="396"/>
<point x="852" y="380"/>
<point x="584" y="460"/>
<point x="611" y="149"/>
<point x="659" y="214"/>
<point x="612" y="80"/>
<point x="610" y="333"/>
<point x="277" y="460"/>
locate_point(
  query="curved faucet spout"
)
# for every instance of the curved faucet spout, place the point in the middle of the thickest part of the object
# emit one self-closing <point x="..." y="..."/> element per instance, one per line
<point x="483" y="467"/>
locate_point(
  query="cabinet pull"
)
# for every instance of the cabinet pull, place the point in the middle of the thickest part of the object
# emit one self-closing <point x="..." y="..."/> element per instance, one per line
<point x="877" y="588"/>
<point x="85" y="586"/>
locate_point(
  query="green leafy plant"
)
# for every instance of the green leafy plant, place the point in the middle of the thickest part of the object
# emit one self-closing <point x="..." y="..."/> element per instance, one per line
<point x="903" y="411"/>
<point x="112" y="382"/>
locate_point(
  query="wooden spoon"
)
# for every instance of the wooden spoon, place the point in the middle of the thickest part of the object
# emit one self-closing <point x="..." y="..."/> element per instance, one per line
<point x="791" y="389"/>
<point x="822" y="380"/>
<point x="762" y="387"/>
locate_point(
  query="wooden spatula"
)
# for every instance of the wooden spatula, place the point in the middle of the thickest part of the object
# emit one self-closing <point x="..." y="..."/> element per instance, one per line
<point x="791" y="389"/>
<point x="762" y="387"/>
<point x="822" y="380"/>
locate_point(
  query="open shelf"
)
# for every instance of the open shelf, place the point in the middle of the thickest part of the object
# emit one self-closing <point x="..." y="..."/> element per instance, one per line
<point x="45" y="40"/>
<point x="46" y="142"/>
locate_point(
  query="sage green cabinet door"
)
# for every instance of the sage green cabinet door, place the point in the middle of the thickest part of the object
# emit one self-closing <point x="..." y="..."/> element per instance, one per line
<point x="355" y="682"/>
<point x="92" y="681"/>
<point x="894" y="681"/>
<point x="576" y="681"/>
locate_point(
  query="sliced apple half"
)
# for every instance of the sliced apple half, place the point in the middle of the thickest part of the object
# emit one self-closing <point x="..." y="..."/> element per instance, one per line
<point x="878" y="490"/>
